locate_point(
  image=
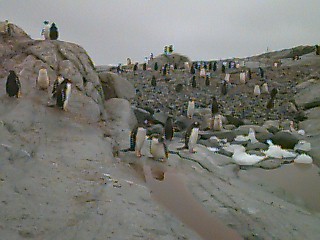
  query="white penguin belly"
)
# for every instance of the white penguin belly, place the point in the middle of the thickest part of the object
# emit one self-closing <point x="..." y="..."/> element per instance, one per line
<point x="140" y="138"/>
<point x="193" y="138"/>
<point x="43" y="79"/>
<point x="190" y="110"/>
<point x="68" y="94"/>
<point x="157" y="150"/>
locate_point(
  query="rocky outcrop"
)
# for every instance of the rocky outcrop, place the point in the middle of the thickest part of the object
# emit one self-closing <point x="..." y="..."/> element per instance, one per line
<point x="174" y="58"/>
<point x="309" y="96"/>
<point x="115" y="86"/>
<point x="26" y="56"/>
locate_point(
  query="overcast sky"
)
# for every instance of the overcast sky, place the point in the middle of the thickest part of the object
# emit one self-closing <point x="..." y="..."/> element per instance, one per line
<point x="112" y="30"/>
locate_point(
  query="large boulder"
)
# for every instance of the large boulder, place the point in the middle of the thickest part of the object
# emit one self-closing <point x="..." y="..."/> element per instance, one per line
<point x="174" y="58"/>
<point x="285" y="139"/>
<point x="309" y="96"/>
<point x="115" y="86"/>
<point x="26" y="56"/>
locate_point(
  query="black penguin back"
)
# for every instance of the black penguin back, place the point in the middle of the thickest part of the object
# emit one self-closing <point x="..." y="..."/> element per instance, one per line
<point x="194" y="83"/>
<point x="54" y="34"/>
<point x="13" y="85"/>
<point x="168" y="129"/>
<point x="207" y="81"/>
<point x="133" y="137"/>
<point x="214" y="106"/>
<point x="224" y="88"/>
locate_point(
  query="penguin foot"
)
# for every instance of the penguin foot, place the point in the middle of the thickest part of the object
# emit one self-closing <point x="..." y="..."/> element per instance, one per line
<point x="138" y="154"/>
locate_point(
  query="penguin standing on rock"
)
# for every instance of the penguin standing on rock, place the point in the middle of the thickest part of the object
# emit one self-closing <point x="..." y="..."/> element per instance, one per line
<point x="168" y="129"/>
<point x="137" y="139"/>
<point x="54" y="34"/>
<point x="158" y="148"/>
<point x="13" y="85"/>
<point x="214" y="106"/>
<point x="256" y="90"/>
<point x="63" y="94"/>
<point x="190" y="109"/>
<point x="56" y="84"/>
<point x="194" y="82"/>
<point x="224" y="88"/>
<point x="43" y="79"/>
<point x="46" y="30"/>
<point x="191" y="137"/>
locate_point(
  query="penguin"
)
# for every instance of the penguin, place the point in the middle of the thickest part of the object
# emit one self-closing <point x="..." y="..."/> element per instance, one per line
<point x="224" y="88"/>
<point x="227" y="77"/>
<point x="43" y="79"/>
<point x="256" y="90"/>
<point x="54" y="34"/>
<point x="243" y="77"/>
<point x="56" y="84"/>
<point x="144" y="67"/>
<point x="168" y="129"/>
<point x="137" y="139"/>
<point x="217" y="123"/>
<point x="214" y="106"/>
<point x="192" y="70"/>
<point x="190" y="109"/>
<point x="193" y="81"/>
<point x="223" y="69"/>
<point x="214" y="67"/>
<point x="156" y="66"/>
<point x="249" y="74"/>
<point x="63" y="94"/>
<point x="264" y="88"/>
<point x="270" y="104"/>
<point x="191" y="137"/>
<point x="153" y="81"/>
<point x="261" y="71"/>
<point x="207" y="81"/>
<point x="186" y="66"/>
<point x="46" y="30"/>
<point x="135" y="67"/>
<point x="158" y="148"/>
<point x="13" y="85"/>
<point x="202" y="73"/>
<point x="273" y="92"/>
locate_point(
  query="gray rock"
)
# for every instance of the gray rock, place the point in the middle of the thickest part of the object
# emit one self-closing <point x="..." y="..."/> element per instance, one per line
<point x="256" y="146"/>
<point x="119" y="110"/>
<point x="313" y="113"/>
<point x="285" y="139"/>
<point x="263" y="137"/>
<point x="115" y="86"/>
<point x="155" y="129"/>
<point x="270" y="163"/>
<point x="308" y="97"/>
<point x="142" y="115"/>
<point x="160" y="117"/>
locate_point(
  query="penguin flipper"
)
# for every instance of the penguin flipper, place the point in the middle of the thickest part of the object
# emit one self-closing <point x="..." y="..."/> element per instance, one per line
<point x="133" y="137"/>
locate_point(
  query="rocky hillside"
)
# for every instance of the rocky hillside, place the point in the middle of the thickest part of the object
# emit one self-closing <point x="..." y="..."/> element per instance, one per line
<point x="62" y="177"/>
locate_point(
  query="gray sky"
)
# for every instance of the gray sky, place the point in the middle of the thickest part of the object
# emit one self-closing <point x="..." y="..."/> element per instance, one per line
<point x="112" y="30"/>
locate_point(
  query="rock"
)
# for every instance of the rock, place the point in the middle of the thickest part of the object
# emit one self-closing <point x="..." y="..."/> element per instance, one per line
<point x="270" y="163"/>
<point x="155" y="129"/>
<point x="174" y="58"/>
<point x="229" y="135"/>
<point x="285" y="139"/>
<point x="306" y="84"/>
<point x="311" y="126"/>
<point x="244" y="129"/>
<point x="119" y="110"/>
<point x="142" y="115"/>
<point x="271" y="123"/>
<point x="256" y="146"/>
<point x="209" y="143"/>
<point x="308" y="97"/>
<point x="263" y="137"/>
<point x="234" y="121"/>
<point x="313" y="113"/>
<point x="115" y="86"/>
<point x="160" y="117"/>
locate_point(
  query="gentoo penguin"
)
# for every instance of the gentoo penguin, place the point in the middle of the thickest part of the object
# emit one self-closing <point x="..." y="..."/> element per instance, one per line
<point x="193" y="81"/>
<point x="256" y="90"/>
<point x="191" y="137"/>
<point x="217" y="123"/>
<point x="214" y="106"/>
<point x="207" y="80"/>
<point x="227" y="77"/>
<point x="273" y="92"/>
<point x="202" y="73"/>
<point x="270" y="104"/>
<point x="54" y="34"/>
<point x="13" y="86"/>
<point x="63" y="94"/>
<point x="43" y="79"/>
<point x="223" y="68"/>
<point x="264" y="88"/>
<point x="137" y="139"/>
<point x="186" y="66"/>
<point x="56" y="84"/>
<point x="158" y="148"/>
<point x="153" y="81"/>
<point x="46" y="30"/>
<point x="190" y="109"/>
<point x="214" y="67"/>
<point x="135" y="67"/>
<point x="156" y="66"/>
<point x="168" y="129"/>
<point x="192" y="70"/>
<point x="261" y="71"/>
<point x="243" y="77"/>
<point x="224" y="88"/>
